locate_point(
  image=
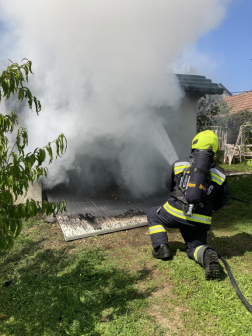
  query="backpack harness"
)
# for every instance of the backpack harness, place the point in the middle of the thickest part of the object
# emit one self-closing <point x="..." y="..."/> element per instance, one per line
<point x="182" y="186"/>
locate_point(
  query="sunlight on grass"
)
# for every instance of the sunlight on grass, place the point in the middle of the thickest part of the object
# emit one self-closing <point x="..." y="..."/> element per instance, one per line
<point x="79" y="288"/>
<point x="239" y="167"/>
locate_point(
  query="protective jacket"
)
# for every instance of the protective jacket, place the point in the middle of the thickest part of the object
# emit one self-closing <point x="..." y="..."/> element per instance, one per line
<point x="215" y="197"/>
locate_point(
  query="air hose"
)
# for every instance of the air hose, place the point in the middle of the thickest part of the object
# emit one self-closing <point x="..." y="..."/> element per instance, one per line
<point x="238" y="199"/>
<point x="234" y="284"/>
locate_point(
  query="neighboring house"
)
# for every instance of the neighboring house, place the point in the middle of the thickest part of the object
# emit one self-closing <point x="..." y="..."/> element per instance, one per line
<point x="239" y="102"/>
<point x="236" y="136"/>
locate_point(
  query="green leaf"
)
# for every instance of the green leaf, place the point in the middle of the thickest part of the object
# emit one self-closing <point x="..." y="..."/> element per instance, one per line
<point x="3" y="243"/>
<point x="9" y="241"/>
<point x="20" y="94"/>
<point x="19" y="227"/>
<point x="30" y="64"/>
<point x="49" y="151"/>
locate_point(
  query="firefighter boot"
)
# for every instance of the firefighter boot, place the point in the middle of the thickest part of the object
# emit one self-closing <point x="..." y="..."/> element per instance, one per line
<point x="161" y="252"/>
<point x="211" y="263"/>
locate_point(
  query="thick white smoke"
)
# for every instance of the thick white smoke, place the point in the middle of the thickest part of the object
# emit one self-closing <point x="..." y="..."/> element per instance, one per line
<point x="101" y="72"/>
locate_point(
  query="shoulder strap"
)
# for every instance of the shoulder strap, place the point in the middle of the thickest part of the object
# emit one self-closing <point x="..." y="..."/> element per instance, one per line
<point x="191" y="160"/>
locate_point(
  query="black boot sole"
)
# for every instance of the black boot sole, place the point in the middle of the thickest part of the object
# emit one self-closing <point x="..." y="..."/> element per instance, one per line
<point x="212" y="269"/>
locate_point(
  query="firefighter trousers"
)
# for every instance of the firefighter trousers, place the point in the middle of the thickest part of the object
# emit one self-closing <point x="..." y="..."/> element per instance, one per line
<point x="195" y="238"/>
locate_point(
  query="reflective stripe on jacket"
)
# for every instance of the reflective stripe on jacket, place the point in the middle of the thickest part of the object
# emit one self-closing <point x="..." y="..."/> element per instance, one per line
<point x="180" y="166"/>
<point x="217" y="176"/>
<point x="195" y="217"/>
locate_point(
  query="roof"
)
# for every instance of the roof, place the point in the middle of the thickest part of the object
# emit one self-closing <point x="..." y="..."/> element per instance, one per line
<point x="226" y="92"/>
<point x="198" y="85"/>
<point x="242" y="101"/>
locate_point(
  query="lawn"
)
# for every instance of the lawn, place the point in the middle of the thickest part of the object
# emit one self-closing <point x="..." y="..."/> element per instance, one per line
<point x="111" y="285"/>
<point x="239" y="167"/>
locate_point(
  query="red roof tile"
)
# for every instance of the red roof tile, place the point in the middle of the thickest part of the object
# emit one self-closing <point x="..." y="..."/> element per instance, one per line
<point x="240" y="102"/>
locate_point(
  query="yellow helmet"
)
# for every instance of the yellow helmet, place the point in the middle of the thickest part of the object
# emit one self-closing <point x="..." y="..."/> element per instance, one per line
<point x="204" y="140"/>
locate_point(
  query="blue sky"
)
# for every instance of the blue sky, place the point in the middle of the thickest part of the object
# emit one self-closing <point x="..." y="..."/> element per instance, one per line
<point x="231" y="44"/>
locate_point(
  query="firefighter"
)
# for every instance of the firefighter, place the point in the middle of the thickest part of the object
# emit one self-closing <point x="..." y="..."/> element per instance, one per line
<point x="206" y="190"/>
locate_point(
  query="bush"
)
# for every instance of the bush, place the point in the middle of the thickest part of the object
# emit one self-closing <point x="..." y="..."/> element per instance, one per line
<point x="219" y="156"/>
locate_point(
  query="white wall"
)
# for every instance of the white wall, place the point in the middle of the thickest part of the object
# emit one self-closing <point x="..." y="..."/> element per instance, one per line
<point x="34" y="192"/>
<point x="180" y="124"/>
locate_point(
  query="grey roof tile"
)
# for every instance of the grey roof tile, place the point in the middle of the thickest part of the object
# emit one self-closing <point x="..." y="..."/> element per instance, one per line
<point x="198" y="85"/>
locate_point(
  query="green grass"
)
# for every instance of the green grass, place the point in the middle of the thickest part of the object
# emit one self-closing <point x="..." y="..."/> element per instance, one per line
<point x="68" y="291"/>
<point x="239" y="167"/>
<point x="110" y="285"/>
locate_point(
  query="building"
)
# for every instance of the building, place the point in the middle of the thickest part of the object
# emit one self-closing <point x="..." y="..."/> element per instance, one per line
<point x="226" y="93"/>
<point x="239" y="102"/>
<point x="179" y="127"/>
